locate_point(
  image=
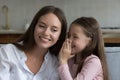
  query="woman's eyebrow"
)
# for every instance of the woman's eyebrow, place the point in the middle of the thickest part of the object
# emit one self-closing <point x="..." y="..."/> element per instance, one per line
<point x="41" y="22"/>
<point x="55" y="27"/>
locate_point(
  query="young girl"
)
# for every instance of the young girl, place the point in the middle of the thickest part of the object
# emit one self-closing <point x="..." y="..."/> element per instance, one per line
<point x="34" y="56"/>
<point x="82" y="55"/>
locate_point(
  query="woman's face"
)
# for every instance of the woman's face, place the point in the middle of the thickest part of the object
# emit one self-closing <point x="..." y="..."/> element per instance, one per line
<point x="47" y="30"/>
<point x="78" y="38"/>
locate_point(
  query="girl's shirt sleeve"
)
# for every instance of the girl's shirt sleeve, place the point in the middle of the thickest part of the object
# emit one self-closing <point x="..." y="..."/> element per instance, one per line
<point x="92" y="70"/>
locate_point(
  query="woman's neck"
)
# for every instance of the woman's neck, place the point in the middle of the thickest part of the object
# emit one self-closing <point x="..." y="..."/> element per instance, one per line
<point x="37" y="52"/>
<point x="36" y="57"/>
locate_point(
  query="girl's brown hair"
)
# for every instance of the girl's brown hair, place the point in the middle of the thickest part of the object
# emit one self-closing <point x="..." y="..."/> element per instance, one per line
<point x="27" y="39"/>
<point x="92" y="29"/>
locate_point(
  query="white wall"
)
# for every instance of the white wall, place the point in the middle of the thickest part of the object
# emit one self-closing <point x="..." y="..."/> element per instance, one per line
<point x="107" y="12"/>
<point x="22" y="10"/>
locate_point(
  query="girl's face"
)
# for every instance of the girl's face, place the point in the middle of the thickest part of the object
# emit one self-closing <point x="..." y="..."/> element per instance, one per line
<point x="47" y="30"/>
<point x="78" y="38"/>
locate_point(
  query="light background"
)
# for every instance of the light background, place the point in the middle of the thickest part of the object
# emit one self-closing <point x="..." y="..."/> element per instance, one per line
<point x="107" y="12"/>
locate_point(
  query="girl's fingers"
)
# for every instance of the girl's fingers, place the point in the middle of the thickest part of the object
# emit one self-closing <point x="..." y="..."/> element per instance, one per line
<point x="66" y="47"/>
<point x="69" y="45"/>
<point x="64" y="44"/>
<point x="65" y="52"/>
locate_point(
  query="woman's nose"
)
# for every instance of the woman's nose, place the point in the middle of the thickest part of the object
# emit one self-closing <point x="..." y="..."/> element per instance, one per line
<point x="47" y="31"/>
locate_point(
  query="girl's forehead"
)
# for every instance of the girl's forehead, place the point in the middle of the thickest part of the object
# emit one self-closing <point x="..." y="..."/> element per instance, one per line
<point x="76" y="27"/>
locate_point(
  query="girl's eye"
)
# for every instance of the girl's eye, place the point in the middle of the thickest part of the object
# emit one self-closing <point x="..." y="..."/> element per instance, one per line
<point x="75" y="37"/>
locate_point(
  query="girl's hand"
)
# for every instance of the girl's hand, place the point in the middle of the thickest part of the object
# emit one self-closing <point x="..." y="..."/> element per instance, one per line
<point x="65" y="52"/>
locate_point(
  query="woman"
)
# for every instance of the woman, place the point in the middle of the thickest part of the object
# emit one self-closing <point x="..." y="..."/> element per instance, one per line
<point x="33" y="56"/>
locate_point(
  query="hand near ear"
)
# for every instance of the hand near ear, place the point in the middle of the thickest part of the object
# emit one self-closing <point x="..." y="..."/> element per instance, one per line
<point x="65" y="52"/>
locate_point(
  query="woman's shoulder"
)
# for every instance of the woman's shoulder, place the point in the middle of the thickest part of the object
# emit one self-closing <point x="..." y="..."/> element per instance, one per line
<point x="9" y="51"/>
<point x="7" y="47"/>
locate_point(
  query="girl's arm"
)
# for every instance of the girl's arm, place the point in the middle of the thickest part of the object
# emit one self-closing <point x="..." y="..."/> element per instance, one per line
<point x="64" y="56"/>
<point x="91" y="69"/>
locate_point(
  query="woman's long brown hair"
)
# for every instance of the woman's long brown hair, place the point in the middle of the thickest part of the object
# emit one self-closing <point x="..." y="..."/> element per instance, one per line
<point x="27" y="39"/>
<point x="92" y="29"/>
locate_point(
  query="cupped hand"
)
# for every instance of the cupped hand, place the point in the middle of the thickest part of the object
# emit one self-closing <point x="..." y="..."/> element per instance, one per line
<point x="65" y="52"/>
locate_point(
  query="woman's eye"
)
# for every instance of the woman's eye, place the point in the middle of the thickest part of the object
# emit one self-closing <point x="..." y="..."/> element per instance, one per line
<point x="41" y="26"/>
<point x="54" y="30"/>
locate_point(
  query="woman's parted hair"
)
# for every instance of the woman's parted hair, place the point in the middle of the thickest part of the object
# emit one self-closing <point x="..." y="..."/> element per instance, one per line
<point x="92" y="29"/>
<point x="27" y="39"/>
